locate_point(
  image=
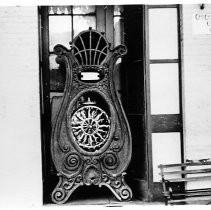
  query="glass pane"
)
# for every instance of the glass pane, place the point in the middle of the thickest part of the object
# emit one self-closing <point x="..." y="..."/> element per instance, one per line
<point x="57" y="10"/>
<point x="83" y="9"/>
<point x="163" y="40"/>
<point x="57" y="75"/>
<point x="52" y="62"/>
<point x="60" y="31"/>
<point x="166" y="149"/>
<point x="164" y="88"/>
<point x="118" y="31"/>
<point x="81" y="23"/>
<point x="118" y="10"/>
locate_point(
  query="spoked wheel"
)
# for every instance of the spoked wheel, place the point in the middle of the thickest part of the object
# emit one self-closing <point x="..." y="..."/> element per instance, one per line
<point x="90" y="126"/>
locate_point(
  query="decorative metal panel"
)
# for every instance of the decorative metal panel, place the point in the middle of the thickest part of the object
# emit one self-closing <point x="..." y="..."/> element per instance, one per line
<point x="91" y="139"/>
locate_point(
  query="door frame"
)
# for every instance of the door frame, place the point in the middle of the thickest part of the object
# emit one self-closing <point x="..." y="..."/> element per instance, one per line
<point x="47" y="166"/>
<point x="155" y="188"/>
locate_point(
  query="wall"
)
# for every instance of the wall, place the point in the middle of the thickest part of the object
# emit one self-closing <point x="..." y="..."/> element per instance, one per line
<point x="20" y="149"/>
<point x="20" y="144"/>
<point x="197" y="86"/>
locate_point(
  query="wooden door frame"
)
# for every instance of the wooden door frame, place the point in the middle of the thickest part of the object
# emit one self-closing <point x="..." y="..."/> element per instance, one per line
<point x="155" y="189"/>
<point x="45" y="94"/>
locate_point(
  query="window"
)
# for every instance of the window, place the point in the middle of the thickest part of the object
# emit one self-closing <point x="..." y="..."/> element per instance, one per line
<point x="164" y="73"/>
<point x="66" y="22"/>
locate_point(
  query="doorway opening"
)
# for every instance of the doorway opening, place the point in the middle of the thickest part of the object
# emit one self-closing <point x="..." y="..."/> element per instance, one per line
<point x="130" y="25"/>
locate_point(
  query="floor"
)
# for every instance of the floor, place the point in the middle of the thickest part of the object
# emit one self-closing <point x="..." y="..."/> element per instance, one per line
<point x="102" y="197"/>
<point x="111" y="202"/>
<point x="99" y="200"/>
<point x="95" y="196"/>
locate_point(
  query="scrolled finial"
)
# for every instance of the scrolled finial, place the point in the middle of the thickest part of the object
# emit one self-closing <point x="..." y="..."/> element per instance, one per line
<point x="121" y="50"/>
<point x="60" y="49"/>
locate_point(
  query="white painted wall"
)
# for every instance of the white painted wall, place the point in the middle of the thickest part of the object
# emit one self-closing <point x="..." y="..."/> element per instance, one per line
<point x="20" y="143"/>
<point x="197" y="86"/>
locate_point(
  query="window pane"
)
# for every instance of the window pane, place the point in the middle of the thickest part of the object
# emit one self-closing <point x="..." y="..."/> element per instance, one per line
<point x="166" y="149"/>
<point x="60" y="31"/>
<point x="118" y="31"/>
<point x="83" y="9"/>
<point x="163" y="41"/>
<point x="164" y="88"/>
<point x="118" y="10"/>
<point x="52" y="62"/>
<point x="57" y="10"/>
<point x="57" y="75"/>
<point x="81" y="23"/>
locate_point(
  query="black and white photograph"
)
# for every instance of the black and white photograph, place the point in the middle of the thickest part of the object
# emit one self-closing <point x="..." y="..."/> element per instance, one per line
<point x="105" y="104"/>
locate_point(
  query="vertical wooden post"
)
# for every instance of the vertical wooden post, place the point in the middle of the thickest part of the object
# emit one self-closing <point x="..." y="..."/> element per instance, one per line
<point x="100" y="18"/>
<point x="45" y="98"/>
<point x="109" y="24"/>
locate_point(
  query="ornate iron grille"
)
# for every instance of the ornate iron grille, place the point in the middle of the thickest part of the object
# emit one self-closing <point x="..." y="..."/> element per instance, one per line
<point x="91" y="139"/>
<point x="90" y="48"/>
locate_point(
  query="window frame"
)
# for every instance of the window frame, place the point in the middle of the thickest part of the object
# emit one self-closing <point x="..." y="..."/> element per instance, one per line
<point x="164" y="122"/>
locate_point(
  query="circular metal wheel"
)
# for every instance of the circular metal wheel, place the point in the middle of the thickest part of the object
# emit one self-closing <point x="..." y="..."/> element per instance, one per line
<point x="90" y="127"/>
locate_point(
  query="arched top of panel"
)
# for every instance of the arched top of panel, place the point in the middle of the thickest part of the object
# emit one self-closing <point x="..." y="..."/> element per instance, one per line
<point x="90" y="47"/>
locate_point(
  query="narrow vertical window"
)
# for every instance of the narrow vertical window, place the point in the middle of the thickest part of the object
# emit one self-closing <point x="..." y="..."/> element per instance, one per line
<point x="164" y="72"/>
<point x="66" y="22"/>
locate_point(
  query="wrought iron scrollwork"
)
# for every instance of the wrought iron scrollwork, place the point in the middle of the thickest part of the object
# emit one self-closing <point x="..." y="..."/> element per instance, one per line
<point x="65" y="188"/>
<point x="90" y="126"/>
<point x="91" y="139"/>
<point x="92" y="175"/>
<point x="95" y="53"/>
<point x="72" y="162"/>
<point x="118" y="186"/>
<point x="110" y="160"/>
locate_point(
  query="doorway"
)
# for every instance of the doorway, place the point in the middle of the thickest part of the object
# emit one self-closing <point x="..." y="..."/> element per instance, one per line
<point x="129" y="25"/>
